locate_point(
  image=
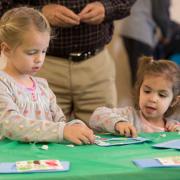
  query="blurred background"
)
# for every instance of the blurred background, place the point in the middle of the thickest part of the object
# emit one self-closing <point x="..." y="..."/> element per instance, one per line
<point x="119" y="54"/>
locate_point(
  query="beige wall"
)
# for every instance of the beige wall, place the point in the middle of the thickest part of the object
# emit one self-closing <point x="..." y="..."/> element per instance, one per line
<point x="122" y="68"/>
<point x="175" y="10"/>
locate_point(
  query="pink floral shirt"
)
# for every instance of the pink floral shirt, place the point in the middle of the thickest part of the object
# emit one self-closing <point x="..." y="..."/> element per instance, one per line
<point x="148" y="127"/>
<point x="30" y="114"/>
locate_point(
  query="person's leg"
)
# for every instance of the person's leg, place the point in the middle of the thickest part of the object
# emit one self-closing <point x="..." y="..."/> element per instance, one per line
<point x="135" y="49"/>
<point x="84" y="86"/>
<point x="57" y="72"/>
<point x="93" y="84"/>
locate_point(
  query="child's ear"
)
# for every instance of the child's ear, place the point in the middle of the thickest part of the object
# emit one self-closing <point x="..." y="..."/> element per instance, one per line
<point x="5" y="48"/>
<point x="175" y="101"/>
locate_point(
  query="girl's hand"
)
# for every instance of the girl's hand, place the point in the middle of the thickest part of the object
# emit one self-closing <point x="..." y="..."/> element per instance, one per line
<point x="79" y="134"/>
<point x="126" y="129"/>
<point x="173" y="126"/>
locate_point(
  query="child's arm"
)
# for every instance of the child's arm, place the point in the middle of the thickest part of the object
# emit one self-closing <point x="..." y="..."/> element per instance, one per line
<point x="105" y="119"/>
<point x="16" y="126"/>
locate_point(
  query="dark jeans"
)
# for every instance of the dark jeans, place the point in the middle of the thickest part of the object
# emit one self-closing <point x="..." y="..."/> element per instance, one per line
<point x="135" y="49"/>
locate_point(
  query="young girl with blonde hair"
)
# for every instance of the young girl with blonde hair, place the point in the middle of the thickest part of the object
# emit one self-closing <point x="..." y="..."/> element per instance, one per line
<point x="28" y="108"/>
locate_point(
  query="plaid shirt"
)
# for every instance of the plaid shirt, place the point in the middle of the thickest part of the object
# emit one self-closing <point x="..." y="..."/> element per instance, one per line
<point x="80" y="38"/>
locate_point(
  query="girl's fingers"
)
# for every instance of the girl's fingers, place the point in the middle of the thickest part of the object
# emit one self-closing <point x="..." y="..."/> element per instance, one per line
<point x="133" y="132"/>
<point x="89" y="135"/>
<point x="127" y="132"/>
<point x="84" y="139"/>
<point x="76" y="141"/>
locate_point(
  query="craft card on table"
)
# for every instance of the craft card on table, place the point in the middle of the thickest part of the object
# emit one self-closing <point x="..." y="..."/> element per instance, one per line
<point x="38" y="165"/>
<point x="34" y="166"/>
<point x="173" y="144"/>
<point x="172" y="161"/>
<point x="119" y="141"/>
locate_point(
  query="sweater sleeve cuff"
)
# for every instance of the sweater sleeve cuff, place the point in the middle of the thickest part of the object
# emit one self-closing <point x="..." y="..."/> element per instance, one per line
<point x="63" y="124"/>
<point x="61" y="131"/>
<point x="76" y="121"/>
<point x="116" y="119"/>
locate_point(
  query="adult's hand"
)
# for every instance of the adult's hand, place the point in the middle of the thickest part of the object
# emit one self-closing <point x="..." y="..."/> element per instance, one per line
<point x="59" y="15"/>
<point x="93" y="13"/>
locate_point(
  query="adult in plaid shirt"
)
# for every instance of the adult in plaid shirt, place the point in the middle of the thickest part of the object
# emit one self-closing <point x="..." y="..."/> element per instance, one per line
<point x="78" y="66"/>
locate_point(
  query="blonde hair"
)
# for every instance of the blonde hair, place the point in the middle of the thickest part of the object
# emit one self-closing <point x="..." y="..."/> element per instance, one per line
<point x="148" y="66"/>
<point x="17" y="21"/>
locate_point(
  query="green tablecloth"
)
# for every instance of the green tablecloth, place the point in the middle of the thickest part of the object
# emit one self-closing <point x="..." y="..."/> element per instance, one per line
<point x="91" y="162"/>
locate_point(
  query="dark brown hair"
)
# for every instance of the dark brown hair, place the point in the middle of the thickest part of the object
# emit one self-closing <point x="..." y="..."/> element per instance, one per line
<point x="148" y="66"/>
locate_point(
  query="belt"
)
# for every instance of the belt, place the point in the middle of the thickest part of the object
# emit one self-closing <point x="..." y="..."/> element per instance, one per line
<point x="80" y="56"/>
